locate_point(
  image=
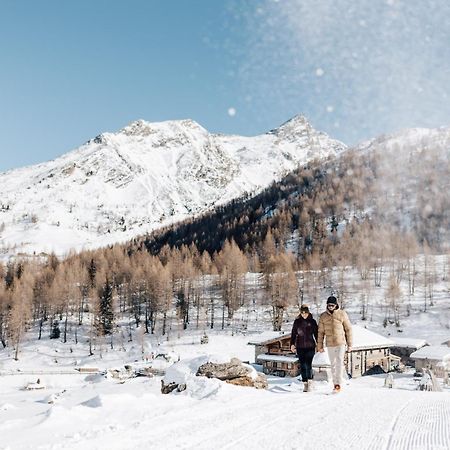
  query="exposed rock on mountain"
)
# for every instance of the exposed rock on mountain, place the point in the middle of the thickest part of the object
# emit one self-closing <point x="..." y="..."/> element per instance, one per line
<point x="124" y="184"/>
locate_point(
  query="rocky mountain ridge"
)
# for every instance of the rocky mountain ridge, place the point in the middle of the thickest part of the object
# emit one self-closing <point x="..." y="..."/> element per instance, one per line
<point x="120" y="185"/>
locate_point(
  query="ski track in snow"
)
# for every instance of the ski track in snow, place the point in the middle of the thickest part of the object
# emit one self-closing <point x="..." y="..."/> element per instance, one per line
<point x="288" y="421"/>
<point x="266" y="418"/>
<point x="283" y="417"/>
<point x="422" y="425"/>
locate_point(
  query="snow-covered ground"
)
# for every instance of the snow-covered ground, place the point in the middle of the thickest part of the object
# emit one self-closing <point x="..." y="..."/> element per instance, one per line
<point x="80" y="411"/>
<point x="91" y="411"/>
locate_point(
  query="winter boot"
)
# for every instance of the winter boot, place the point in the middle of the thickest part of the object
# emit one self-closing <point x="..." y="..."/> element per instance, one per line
<point x="305" y="387"/>
<point x="310" y="385"/>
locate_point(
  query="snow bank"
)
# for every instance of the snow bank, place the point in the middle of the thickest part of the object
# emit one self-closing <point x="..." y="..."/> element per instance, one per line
<point x="184" y="372"/>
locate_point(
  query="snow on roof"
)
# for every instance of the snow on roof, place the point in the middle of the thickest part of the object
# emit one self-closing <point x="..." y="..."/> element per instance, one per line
<point x="281" y="358"/>
<point x="267" y="336"/>
<point x="409" y="342"/>
<point x="435" y="352"/>
<point x="362" y="338"/>
<point x="320" y="359"/>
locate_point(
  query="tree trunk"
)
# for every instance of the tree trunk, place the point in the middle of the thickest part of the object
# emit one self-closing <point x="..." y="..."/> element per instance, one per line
<point x="146" y="318"/>
<point x="130" y="332"/>
<point x="223" y="315"/>
<point x="212" y="312"/>
<point x="65" y="327"/>
<point x="153" y="325"/>
<point x="164" y="323"/>
<point x="17" y="343"/>
<point x="41" y="322"/>
<point x="277" y="319"/>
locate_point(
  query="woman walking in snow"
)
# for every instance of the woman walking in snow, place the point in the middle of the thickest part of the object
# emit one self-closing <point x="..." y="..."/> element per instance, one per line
<point x="303" y="342"/>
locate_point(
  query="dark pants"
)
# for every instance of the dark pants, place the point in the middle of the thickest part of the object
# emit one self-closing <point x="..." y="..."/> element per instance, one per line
<point x="305" y="356"/>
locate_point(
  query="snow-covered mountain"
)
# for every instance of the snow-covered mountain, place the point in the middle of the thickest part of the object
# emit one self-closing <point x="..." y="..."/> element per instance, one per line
<point x="120" y="185"/>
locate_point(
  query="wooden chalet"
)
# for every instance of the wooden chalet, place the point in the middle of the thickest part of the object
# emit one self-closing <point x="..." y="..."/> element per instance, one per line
<point x="404" y="347"/>
<point x="434" y="357"/>
<point x="272" y="350"/>
<point x="370" y="349"/>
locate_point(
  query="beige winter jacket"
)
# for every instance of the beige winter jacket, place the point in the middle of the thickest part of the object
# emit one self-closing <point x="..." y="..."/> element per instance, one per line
<point x="335" y="328"/>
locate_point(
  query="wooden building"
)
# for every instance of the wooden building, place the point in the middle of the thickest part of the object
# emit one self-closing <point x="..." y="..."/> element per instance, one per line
<point x="434" y="357"/>
<point x="369" y="350"/>
<point x="404" y="347"/>
<point x="272" y="351"/>
<point x="280" y="365"/>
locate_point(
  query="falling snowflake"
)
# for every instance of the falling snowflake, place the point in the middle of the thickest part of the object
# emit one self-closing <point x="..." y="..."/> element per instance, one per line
<point x="231" y="112"/>
<point x="319" y="72"/>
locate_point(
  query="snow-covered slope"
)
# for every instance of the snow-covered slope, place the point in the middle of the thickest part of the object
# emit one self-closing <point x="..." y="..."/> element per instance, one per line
<point x="147" y="175"/>
<point x="74" y="411"/>
<point x="412" y="185"/>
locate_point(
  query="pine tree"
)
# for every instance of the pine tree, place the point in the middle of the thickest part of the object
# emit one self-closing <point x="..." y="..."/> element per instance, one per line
<point x="105" y="318"/>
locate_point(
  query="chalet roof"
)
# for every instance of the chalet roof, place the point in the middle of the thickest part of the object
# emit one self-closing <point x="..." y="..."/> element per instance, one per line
<point x="434" y="352"/>
<point x="320" y="359"/>
<point x="409" y="342"/>
<point x="268" y="337"/>
<point x="279" y="358"/>
<point x="362" y="338"/>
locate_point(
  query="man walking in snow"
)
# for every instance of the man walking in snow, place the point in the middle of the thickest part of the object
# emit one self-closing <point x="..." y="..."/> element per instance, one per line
<point x="335" y="327"/>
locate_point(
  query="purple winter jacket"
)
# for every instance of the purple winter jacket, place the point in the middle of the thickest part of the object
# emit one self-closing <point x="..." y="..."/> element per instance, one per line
<point x="304" y="332"/>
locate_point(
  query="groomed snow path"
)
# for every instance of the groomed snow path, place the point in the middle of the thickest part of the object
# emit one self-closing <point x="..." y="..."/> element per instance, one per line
<point x="423" y="424"/>
<point x="281" y="418"/>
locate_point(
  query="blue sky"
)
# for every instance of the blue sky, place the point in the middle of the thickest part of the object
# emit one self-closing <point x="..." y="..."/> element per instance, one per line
<point x="73" y="69"/>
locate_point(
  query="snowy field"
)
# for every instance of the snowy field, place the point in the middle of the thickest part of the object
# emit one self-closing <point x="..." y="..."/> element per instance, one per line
<point x="93" y="411"/>
<point x="79" y="411"/>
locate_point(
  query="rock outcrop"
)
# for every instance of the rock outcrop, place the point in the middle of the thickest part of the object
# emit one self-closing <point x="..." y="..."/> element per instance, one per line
<point x="234" y="372"/>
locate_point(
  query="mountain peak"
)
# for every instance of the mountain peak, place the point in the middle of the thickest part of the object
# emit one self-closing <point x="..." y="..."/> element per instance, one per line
<point x="143" y="177"/>
<point x="143" y="128"/>
<point x="138" y="128"/>
<point x="297" y="124"/>
<point x="298" y="120"/>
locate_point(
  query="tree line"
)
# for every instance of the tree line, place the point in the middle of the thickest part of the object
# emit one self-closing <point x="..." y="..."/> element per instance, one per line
<point x="111" y="293"/>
